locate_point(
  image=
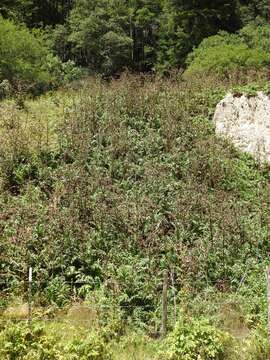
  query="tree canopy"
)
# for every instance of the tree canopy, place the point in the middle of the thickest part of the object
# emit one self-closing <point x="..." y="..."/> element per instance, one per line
<point x="141" y="35"/>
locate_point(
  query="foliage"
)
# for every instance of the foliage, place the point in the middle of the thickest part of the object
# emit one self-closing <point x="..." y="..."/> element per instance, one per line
<point x="257" y="345"/>
<point x="92" y="348"/>
<point x="185" y="24"/>
<point x="256" y="36"/>
<point x="57" y="292"/>
<point x="22" y="56"/>
<point x="98" y="40"/>
<point x="105" y="186"/>
<point x="224" y="52"/>
<point x="254" y="9"/>
<point x="36" y="13"/>
<point x="63" y="73"/>
<point x="5" y="89"/>
<point x="109" y="315"/>
<point x="194" y="340"/>
<point x="163" y="161"/>
<point x="27" y="64"/>
<point x="142" y="35"/>
<point x="18" y="342"/>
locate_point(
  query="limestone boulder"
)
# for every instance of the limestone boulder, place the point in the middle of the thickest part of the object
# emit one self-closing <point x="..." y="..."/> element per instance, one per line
<point x="245" y="121"/>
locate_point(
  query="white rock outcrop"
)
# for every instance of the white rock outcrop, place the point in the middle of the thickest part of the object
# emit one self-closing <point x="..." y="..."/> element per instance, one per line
<point x="246" y="122"/>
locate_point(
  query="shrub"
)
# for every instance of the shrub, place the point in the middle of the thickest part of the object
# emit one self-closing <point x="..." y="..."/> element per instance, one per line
<point x="257" y="345"/>
<point x="249" y="49"/>
<point x="139" y="183"/>
<point x="108" y="314"/>
<point x="22" y="56"/>
<point x="27" y="62"/>
<point x="256" y="37"/>
<point x="5" y="89"/>
<point x="62" y="72"/>
<point x="57" y="292"/>
<point x="226" y="58"/>
<point x="93" y="348"/>
<point x="195" y="340"/>
<point x="17" y="342"/>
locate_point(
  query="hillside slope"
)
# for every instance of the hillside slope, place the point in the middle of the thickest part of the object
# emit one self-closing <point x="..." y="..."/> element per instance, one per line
<point x="127" y="179"/>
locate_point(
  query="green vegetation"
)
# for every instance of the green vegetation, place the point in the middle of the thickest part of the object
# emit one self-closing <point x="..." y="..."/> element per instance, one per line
<point x="224" y="53"/>
<point x="111" y="174"/>
<point x="196" y="340"/>
<point x="27" y="64"/>
<point x="116" y="182"/>
<point x="110" y="36"/>
<point x="23" y="57"/>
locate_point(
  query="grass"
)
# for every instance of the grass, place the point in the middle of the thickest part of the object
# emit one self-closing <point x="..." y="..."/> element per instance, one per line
<point x="135" y="347"/>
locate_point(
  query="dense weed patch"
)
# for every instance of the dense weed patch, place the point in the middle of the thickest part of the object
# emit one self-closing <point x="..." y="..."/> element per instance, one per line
<point x="128" y="180"/>
<point x="135" y="175"/>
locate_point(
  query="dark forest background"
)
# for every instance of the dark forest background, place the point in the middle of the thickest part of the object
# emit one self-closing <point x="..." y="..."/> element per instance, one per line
<point x="109" y="36"/>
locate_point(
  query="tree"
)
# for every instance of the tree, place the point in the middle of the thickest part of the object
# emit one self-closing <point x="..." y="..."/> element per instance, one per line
<point x="144" y="28"/>
<point x="251" y="10"/>
<point x="16" y="9"/>
<point x="97" y="35"/>
<point x="22" y="56"/>
<point x="36" y="13"/>
<point x="185" y="23"/>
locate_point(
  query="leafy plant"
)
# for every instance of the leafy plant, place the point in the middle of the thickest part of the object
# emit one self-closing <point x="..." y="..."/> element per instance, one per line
<point x="257" y="345"/>
<point x="225" y="53"/>
<point x="18" y="342"/>
<point x="195" y="340"/>
<point x="91" y="348"/>
<point x="22" y="56"/>
<point x="57" y="291"/>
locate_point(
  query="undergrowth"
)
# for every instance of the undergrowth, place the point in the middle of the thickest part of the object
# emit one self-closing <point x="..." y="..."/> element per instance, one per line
<point x="122" y="181"/>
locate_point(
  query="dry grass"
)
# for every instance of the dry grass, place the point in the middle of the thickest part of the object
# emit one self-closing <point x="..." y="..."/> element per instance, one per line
<point x="82" y="315"/>
<point x="135" y="347"/>
<point x="16" y="311"/>
<point x="34" y="123"/>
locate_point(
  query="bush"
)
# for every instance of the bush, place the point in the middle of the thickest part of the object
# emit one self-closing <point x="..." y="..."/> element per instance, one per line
<point x="5" y="89"/>
<point x="139" y="183"/>
<point x="223" y="59"/>
<point x="62" y="73"/>
<point x="222" y="53"/>
<point x="93" y="348"/>
<point x="257" y="345"/>
<point x="195" y="340"/>
<point x="27" y="62"/>
<point x="57" y="292"/>
<point x="23" y="56"/>
<point x="256" y="37"/>
<point x="17" y="342"/>
<point x="109" y="316"/>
